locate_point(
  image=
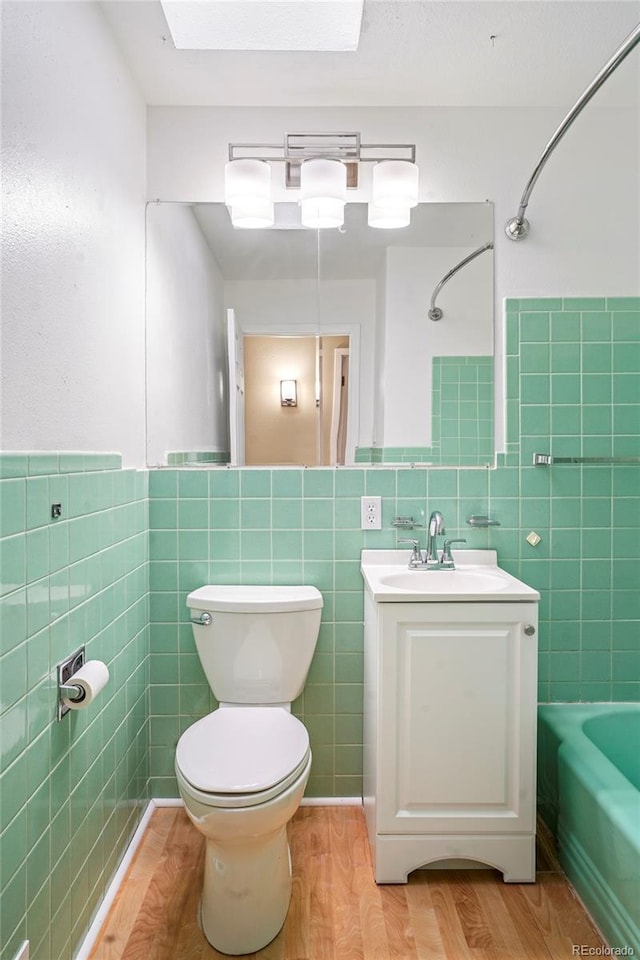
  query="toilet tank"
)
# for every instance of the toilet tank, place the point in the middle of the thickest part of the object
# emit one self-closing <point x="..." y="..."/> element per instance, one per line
<point x="260" y="642"/>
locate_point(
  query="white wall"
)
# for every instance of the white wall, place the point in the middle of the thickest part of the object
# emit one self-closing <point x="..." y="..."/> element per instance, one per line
<point x="583" y="210"/>
<point x="74" y="154"/>
<point x="187" y="407"/>
<point x="411" y="340"/>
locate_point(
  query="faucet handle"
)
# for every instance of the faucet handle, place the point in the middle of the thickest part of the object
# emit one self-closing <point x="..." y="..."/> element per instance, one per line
<point x="446" y="551"/>
<point x="416" y="555"/>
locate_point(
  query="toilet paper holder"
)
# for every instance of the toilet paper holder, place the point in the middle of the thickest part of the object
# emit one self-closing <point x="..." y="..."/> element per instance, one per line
<point x="66" y="690"/>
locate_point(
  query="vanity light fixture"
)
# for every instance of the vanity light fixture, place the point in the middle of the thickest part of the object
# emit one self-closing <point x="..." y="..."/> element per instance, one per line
<point x="322" y="167"/>
<point x="288" y="393"/>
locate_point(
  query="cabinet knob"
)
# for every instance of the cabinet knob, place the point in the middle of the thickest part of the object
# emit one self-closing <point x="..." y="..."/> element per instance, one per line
<point x="529" y="630"/>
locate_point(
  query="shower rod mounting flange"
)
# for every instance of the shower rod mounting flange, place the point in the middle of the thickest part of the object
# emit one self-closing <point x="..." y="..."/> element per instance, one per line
<point x="517" y="228"/>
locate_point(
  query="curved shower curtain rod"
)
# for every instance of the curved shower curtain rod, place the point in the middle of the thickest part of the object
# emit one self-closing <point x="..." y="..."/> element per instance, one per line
<point x="518" y="227"/>
<point x="435" y="313"/>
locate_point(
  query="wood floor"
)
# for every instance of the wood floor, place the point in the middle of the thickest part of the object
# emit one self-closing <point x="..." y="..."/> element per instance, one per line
<point x="337" y="912"/>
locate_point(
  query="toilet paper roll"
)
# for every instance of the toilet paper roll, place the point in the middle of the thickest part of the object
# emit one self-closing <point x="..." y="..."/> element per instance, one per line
<point x="92" y="677"/>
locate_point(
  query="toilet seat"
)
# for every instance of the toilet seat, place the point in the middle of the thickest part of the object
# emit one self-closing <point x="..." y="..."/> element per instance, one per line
<point x="242" y="756"/>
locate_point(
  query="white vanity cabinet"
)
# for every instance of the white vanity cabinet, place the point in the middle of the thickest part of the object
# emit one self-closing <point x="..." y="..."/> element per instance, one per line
<point x="450" y="734"/>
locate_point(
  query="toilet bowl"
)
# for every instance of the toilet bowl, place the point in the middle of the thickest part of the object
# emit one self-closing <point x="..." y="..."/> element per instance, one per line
<point x="242" y="769"/>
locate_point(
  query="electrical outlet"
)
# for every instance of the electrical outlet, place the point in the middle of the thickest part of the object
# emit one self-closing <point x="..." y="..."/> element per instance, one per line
<point x="371" y="513"/>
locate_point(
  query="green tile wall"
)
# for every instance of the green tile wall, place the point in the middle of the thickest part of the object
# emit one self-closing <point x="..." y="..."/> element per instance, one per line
<point x="462" y="404"/>
<point x="279" y="526"/>
<point x="573" y="388"/>
<point x="295" y="526"/>
<point x="70" y="792"/>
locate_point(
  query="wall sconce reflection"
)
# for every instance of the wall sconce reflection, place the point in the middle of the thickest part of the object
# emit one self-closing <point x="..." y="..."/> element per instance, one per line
<point x="289" y="393"/>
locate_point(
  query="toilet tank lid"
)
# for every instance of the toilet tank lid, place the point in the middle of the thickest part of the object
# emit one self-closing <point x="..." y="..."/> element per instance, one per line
<point x="236" y="598"/>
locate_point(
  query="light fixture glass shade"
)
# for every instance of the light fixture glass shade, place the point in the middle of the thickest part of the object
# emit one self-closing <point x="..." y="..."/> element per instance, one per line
<point x="252" y="215"/>
<point x="323" y="189"/>
<point x="395" y="184"/>
<point x="288" y="393"/>
<point x="388" y="218"/>
<point x="246" y="181"/>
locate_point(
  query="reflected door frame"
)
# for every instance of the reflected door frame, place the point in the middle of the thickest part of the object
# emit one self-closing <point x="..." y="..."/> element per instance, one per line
<point x="351" y="330"/>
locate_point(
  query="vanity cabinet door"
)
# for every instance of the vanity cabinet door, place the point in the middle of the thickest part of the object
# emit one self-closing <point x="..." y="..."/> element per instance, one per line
<point x="456" y="711"/>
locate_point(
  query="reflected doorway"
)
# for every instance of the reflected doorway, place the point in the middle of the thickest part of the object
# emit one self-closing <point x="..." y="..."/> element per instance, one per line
<point x="311" y="431"/>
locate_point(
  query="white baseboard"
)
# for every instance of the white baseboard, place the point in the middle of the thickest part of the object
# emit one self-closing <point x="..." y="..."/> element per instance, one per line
<point x="306" y="802"/>
<point x="331" y="802"/>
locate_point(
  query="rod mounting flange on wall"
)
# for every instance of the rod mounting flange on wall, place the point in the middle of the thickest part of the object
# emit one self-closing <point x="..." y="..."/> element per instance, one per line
<point x="517" y="228"/>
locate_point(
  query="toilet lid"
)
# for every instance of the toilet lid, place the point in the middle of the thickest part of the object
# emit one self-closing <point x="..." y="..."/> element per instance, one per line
<point x="242" y="750"/>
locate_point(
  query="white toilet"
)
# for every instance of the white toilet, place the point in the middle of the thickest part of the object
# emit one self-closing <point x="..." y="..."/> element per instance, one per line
<point x="242" y="769"/>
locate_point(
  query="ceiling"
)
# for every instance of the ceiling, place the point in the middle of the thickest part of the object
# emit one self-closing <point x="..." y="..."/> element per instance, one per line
<point x="532" y="53"/>
<point x="354" y="252"/>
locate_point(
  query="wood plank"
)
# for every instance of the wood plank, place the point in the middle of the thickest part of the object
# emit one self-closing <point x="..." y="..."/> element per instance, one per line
<point x="337" y="910"/>
<point x="123" y="915"/>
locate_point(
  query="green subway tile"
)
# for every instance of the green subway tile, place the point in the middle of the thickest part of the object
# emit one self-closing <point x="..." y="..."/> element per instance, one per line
<point x="286" y="484"/>
<point x="626" y="420"/>
<point x="12" y="563"/>
<point x="596" y="325"/>
<point x="626" y="357"/>
<point x="13" y="465"/>
<point x="255" y="483"/>
<point x="565" y="388"/>
<point x="534" y="327"/>
<point x="318" y="483"/>
<point x="163" y="514"/>
<point x="535" y="388"/>
<point x="527" y="304"/>
<point x="255" y="514"/>
<point x="584" y="303"/>
<point x="566" y="420"/>
<point x="163" y="483"/>
<point x="193" y="514"/>
<point x="534" y="358"/>
<point x="565" y="326"/>
<point x="347" y="514"/>
<point x="224" y="483"/>
<point x="535" y="421"/>
<point x="565" y="357"/>
<point x="255" y="545"/>
<point x="349" y="483"/>
<point x="348" y="698"/>
<point x="193" y="483"/>
<point x="37" y="547"/>
<point x="596" y="358"/>
<point x="626" y="326"/>
<point x="318" y="514"/>
<point x="41" y="464"/>
<point x="12" y="507"/>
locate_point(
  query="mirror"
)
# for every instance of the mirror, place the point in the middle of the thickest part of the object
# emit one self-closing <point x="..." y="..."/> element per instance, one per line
<point x="231" y="314"/>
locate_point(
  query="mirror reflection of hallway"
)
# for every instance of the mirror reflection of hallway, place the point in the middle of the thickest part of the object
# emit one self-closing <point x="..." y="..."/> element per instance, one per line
<point x="313" y="432"/>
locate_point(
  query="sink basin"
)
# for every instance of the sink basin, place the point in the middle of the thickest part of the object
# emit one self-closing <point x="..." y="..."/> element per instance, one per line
<point x="476" y="578"/>
<point x="456" y="581"/>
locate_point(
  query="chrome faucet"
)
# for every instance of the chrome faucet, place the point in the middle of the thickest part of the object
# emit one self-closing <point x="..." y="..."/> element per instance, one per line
<point x="430" y="560"/>
<point x="434" y="529"/>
